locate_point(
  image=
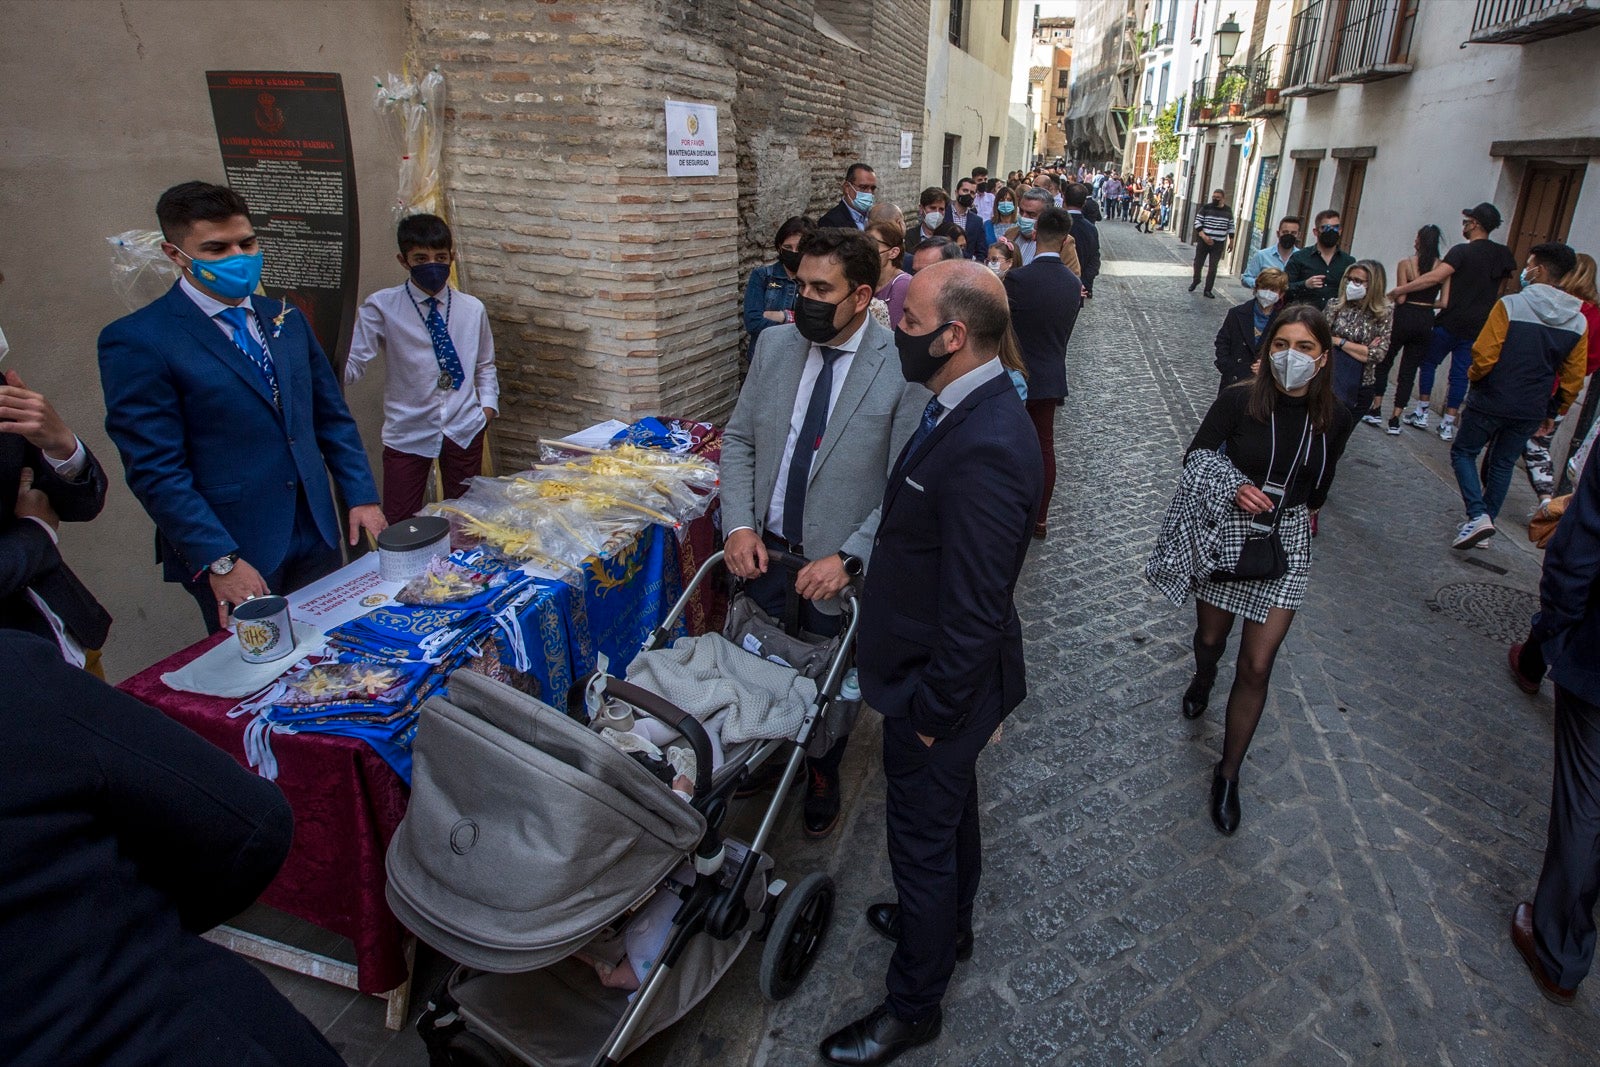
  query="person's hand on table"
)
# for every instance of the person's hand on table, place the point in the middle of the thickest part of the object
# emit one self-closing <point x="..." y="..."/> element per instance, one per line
<point x="33" y="503"/>
<point x="368" y="517"/>
<point x="29" y="415"/>
<point x="235" y="587"/>
<point x="1253" y="500"/>
<point x="822" y="579"/>
<point x="745" y="555"/>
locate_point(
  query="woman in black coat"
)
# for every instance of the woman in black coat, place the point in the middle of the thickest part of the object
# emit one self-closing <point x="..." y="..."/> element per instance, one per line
<point x="1239" y="339"/>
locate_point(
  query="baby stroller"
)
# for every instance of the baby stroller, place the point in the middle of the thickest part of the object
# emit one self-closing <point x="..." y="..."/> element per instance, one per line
<point x="533" y="848"/>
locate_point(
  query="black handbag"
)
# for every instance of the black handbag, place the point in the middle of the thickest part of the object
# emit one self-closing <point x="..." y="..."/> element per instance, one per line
<point x="1262" y="557"/>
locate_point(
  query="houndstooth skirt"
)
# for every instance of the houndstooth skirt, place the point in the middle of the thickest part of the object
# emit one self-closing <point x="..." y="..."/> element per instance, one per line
<point x="1254" y="599"/>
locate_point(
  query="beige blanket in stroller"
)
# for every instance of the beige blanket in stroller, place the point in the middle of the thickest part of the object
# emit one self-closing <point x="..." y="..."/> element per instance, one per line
<point x="726" y="688"/>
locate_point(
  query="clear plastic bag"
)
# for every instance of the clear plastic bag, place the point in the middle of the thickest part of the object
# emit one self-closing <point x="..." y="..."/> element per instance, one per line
<point x="414" y="110"/>
<point x="140" y="271"/>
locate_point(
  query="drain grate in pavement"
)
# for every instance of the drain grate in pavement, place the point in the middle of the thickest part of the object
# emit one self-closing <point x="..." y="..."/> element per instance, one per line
<point x="1499" y="612"/>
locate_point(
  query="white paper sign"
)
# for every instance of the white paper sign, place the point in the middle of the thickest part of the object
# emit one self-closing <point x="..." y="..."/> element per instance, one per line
<point x="905" y="149"/>
<point x="691" y="140"/>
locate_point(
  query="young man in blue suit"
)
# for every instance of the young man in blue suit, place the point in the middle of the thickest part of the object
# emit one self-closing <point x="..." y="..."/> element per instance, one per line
<point x="940" y="645"/>
<point x="229" y="418"/>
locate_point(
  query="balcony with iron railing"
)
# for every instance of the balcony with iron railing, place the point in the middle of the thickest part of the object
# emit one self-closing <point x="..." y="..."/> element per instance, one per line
<point x="1369" y="40"/>
<point x="1304" y="68"/>
<point x="1263" y="96"/>
<point x="1526" y="21"/>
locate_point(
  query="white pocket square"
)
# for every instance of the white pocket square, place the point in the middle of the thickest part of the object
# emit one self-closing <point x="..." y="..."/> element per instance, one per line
<point x="915" y="486"/>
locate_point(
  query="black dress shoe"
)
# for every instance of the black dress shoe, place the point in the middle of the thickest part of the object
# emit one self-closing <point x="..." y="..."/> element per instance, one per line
<point x="822" y="803"/>
<point x="1193" y="287"/>
<point x="1210" y="295"/>
<point x="1225" y="802"/>
<point x="1197" y="697"/>
<point x="885" y="918"/>
<point x="879" y="1037"/>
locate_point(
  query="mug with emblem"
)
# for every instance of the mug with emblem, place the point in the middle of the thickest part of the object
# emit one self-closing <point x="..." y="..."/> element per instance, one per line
<point x="264" y="630"/>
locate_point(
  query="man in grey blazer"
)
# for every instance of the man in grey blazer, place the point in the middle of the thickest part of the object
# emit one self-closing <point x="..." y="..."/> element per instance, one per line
<point x="808" y="450"/>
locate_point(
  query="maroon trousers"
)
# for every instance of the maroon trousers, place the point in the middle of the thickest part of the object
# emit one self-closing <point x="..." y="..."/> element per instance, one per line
<point x="405" y="477"/>
<point x="1043" y="414"/>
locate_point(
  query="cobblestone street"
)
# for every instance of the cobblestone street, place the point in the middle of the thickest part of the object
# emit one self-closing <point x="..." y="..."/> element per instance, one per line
<point x="1394" y="799"/>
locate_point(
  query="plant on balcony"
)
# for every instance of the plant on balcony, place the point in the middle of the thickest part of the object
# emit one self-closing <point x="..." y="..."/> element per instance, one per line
<point x="1166" y="142"/>
<point x="1230" y="90"/>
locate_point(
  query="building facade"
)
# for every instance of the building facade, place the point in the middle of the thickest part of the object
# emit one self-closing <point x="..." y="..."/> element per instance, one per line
<point x="1050" y="79"/>
<point x="1104" y="73"/>
<point x="971" y="47"/>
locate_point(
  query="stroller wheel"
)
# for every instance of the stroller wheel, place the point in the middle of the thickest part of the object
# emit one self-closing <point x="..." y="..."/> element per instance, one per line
<point x="796" y="935"/>
<point x="470" y="1050"/>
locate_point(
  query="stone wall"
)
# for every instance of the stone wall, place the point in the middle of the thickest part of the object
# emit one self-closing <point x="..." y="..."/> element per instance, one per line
<point x="613" y="290"/>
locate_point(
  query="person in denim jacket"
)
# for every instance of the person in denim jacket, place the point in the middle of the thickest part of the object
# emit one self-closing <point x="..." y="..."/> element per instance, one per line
<point x="769" y="295"/>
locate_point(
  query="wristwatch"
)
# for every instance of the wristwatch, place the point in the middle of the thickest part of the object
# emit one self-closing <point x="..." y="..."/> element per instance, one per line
<point x="852" y="564"/>
<point x="225" y="564"/>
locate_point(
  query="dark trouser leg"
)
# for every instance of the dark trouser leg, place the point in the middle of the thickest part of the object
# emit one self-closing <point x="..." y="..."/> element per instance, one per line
<point x="458" y="466"/>
<point x="200" y="590"/>
<point x="1214" y="253"/>
<point x="405" y="483"/>
<point x="1474" y="434"/>
<point x="1258" y="649"/>
<point x="1043" y="414"/>
<point x="1504" y="450"/>
<point x="933" y="852"/>
<point x="1411" y="357"/>
<point x="1460" y="364"/>
<point x="1200" y="248"/>
<point x="1563" y="907"/>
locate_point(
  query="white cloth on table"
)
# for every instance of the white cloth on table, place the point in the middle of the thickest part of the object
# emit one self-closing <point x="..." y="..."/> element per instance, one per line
<point x="745" y="697"/>
<point x="222" y="671"/>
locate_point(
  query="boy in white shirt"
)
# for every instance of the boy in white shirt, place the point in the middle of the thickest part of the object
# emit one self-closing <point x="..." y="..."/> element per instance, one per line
<point x="441" y="389"/>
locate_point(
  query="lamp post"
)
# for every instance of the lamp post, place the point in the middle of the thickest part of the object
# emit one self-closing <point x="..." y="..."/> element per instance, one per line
<point x="1227" y="41"/>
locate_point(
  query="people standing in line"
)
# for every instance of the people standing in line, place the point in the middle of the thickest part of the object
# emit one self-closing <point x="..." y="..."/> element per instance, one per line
<point x="1413" y="328"/>
<point x="1555" y="932"/>
<point x="1238" y="342"/>
<point x="207" y="366"/>
<point x="984" y="202"/>
<point x="440" y="389"/>
<point x="770" y="293"/>
<point x="1115" y="196"/>
<point x="1476" y="271"/>
<point x="1030" y="205"/>
<point x="1045" y="297"/>
<point x="1537" y="457"/>
<point x="1527" y="366"/>
<point x="1361" y="321"/>
<point x="1002" y="216"/>
<point x="1283" y="435"/>
<point x="857" y="194"/>
<point x="1085" y="237"/>
<point x="940" y="644"/>
<point x="807" y="453"/>
<point x="1213" y="232"/>
<point x="934" y="250"/>
<point x="1316" y="272"/>
<point x="890" y="237"/>
<point x="1002" y="257"/>
<point x="932" y="221"/>
<point x="968" y="221"/>
<point x="1276" y="255"/>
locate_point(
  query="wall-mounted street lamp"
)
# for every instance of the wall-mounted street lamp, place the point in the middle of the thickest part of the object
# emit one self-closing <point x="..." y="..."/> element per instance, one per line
<point x="1227" y="40"/>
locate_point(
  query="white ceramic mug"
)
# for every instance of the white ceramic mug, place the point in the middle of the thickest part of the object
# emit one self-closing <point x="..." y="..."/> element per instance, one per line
<point x="264" y="629"/>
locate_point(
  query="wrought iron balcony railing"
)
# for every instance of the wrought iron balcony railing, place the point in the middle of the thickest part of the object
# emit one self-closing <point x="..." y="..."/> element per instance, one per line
<point x="1525" y="21"/>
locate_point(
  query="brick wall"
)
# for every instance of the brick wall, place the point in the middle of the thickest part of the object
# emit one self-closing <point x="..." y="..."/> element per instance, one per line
<point x="613" y="290"/>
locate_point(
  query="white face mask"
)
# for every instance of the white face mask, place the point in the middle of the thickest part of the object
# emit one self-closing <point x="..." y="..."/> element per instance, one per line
<point x="1267" y="297"/>
<point x="1354" y="291"/>
<point x="998" y="270"/>
<point x="1293" y="369"/>
<point x="933" y="220"/>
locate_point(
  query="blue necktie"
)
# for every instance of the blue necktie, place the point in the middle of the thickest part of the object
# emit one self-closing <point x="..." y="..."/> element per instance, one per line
<point x="238" y="319"/>
<point x="444" y="349"/>
<point x="930" y="419"/>
<point x="812" y="428"/>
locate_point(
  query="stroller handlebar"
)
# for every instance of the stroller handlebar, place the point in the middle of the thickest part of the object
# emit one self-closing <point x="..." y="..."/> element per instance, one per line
<point x="658" y="707"/>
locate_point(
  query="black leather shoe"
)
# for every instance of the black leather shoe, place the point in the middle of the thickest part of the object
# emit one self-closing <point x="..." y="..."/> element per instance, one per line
<point x="1193" y="287"/>
<point x="822" y="804"/>
<point x="879" y="1038"/>
<point x="1225" y="802"/>
<point x="1522" y="938"/>
<point x="885" y="918"/>
<point x="1197" y="697"/>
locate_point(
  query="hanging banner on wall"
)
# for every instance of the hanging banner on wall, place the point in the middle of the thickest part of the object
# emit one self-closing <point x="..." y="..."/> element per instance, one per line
<point x="905" y="149"/>
<point x="285" y="142"/>
<point x="1261" y="209"/>
<point x="691" y="140"/>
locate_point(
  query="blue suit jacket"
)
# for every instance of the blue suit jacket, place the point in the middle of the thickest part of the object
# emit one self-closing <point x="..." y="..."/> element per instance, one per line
<point x="217" y="466"/>
<point x="940" y="640"/>
<point x="1569" y="591"/>
<point x="1045" y="297"/>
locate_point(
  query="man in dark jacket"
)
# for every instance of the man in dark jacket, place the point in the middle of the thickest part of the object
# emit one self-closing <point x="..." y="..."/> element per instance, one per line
<point x="1316" y="272"/>
<point x="1045" y="297"/>
<point x="1085" y="233"/>
<point x="856" y="195"/>
<point x="1556" y="933"/>
<point x="126" y="837"/>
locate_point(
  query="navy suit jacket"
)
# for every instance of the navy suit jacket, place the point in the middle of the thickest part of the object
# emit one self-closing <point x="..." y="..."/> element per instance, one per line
<point x="1236" y="342"/>
<point x="940" y="640"/>
<point x="1087" y="236"/>
<point x="214" y="462"/>
<point x="1045" y="297"/>
<point x="1569" y="591"/>
<point x="837" y="217"/>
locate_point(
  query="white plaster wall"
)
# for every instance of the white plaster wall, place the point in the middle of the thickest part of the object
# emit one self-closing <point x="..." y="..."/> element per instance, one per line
<point x="969" y="91"/>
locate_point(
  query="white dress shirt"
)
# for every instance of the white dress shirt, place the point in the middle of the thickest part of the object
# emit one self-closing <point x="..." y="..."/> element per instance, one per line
<point x="983" y="204"/>
<point x="417" y="414"/>
<point x="72" y="469"/>
<point x="951" y="396"/>
<point x="802" y="400"/>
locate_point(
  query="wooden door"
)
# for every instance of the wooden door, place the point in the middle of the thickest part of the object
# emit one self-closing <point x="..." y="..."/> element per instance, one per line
<point x="1303" y="195"/>
<point x="1544" y="206"/>
<point x="1350" y="207"/>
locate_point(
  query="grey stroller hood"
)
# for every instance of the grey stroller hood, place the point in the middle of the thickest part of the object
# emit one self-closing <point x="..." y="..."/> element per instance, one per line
<point x="527" y="833"/>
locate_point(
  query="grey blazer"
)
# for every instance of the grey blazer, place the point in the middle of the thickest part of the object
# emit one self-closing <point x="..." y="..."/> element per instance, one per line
<point x="875" y="415"/>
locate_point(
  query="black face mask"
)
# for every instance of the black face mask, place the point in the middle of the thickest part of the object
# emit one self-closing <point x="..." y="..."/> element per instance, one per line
<point x="790" y="258"/>
<point x="917" y="362"/>
<point x="1287" y="240"/>
<point x="1328" y="237"/>
<point x="814" y="318"/>
<point x="963" y="200"/>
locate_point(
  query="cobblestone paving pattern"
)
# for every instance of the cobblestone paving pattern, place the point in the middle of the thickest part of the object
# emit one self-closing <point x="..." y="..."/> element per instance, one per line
<point x="1394" y="798"/>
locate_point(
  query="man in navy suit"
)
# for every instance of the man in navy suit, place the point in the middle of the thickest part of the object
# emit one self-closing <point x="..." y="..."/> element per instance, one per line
<point x="1045" y="297"/>
<point x="939" y="648"/>
<point x="1085" y="235"/>
<point x="229" y="418"/>
<point x="856" y="195"/>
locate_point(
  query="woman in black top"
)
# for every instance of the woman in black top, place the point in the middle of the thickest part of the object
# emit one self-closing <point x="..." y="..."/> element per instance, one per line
<point x="1284" y="430"/>
<point x="1413" y="329"/>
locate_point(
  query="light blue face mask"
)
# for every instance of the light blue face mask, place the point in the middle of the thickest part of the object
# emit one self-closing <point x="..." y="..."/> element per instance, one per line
<point x="864" y="202"/>
<point x="1025" y="226"/>
<point x="231" y="277"/>
<point x="1523" y="277"/>
<point x="1005" y="207"/>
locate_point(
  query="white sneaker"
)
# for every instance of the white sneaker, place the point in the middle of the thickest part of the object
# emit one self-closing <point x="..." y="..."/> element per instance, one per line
<point x="1372" y="420"/>
<point x="1447" y="429"/>
<point x="1417" y="418"/>
<point x="1474" y="531"/>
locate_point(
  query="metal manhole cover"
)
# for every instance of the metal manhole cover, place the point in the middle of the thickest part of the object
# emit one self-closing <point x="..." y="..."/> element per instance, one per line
<point x="1496" y="611"/>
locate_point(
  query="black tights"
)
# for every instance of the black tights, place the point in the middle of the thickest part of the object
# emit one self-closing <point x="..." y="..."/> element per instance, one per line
<point x="1258" y="648"/>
